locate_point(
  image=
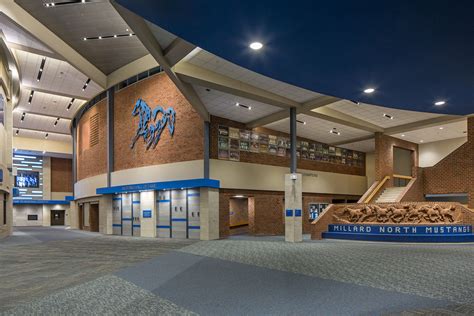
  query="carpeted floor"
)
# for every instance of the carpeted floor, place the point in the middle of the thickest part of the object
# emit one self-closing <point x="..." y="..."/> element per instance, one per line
<point x="46" y="271"/>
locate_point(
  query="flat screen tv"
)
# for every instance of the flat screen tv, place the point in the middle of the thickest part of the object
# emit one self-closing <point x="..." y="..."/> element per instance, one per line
<point x="27" y="179"/>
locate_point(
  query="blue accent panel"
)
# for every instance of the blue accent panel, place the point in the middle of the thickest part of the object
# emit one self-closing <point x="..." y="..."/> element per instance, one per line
<point x="69" y="198"/>
<point x="167" y="185"/>
<point x="148" y="126"/>
<point x="1" y="175"/>
<point x="194" y="227"/>
<point x="136" y="225"/>
<point x="289" y="213"/>
<point x="48" y="202"/>
<point x="136" y="202"/>
<point x="178" y="219"/>
<point x="298" y="213"/>
<point x="126" y="218"/>
<point x="163" y="201"/>
<point x="117" y="199"/>
<point x="194" y="194"/>
<point x="163" y="226"/>
<point x="401" y="238"/>
<point x="401" y="230"/>
<point x="146" y="213"/>
<point x="116" y="225"/>
<point x="16" y="192"/>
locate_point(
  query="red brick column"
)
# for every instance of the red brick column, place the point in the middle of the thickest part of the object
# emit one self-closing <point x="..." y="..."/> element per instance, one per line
<point x="470" y="167"/>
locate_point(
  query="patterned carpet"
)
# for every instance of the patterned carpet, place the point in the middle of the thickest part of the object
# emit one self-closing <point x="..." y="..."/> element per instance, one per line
<point x="51" y="271"/>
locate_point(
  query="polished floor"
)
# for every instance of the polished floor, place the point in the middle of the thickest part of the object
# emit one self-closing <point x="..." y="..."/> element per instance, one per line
<point x="54" y="271"/>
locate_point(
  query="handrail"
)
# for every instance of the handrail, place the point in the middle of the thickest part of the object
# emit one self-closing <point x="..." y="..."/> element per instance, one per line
<point x="399" y="176"/>
<point x="376" y="190"/>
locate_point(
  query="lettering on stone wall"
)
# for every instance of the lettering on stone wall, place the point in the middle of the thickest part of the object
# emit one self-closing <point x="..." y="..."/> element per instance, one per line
<point x="152" y="123"/>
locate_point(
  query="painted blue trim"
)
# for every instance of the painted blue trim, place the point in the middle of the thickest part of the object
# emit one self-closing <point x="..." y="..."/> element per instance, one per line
<point x="166" y="185"/>
<point x="401" y="238"/>
<point x="69" y="198"/>
<point x="116" y="225"/>
<point x="126" y="218"/>
<point x="116" y="199"/>
<point x="16" y="192"/>
<point x="48" y="202"/>
<point x="136" y="202"/>
<point x="178" y="219"/>
<point x="446" y="195"/>
<point x="298" y="213"/>
<point x="163" y="201"/>
<point x="289" y="213"/>
<point x="194" y="194"/>
<point x="136" y="225"/>
<point x="194" y="227"/>
<point x="163" y="226"/>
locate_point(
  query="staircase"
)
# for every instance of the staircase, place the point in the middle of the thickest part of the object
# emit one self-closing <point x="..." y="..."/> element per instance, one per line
<point x="390" y="195"/>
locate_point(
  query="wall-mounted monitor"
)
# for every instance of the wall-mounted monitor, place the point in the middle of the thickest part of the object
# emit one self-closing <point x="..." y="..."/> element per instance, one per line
<point x="27" y="179"/>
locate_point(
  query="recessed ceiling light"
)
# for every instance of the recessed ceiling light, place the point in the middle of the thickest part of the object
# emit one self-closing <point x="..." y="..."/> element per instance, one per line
<point x="369" y="90"/>
<point x="440" y="102"/>
<point x="388" y="116"/>
<point x="441" y="127"/>
<point x="301" y="122"/>
<point x="421" y="141"/>
<point x="335" y="131"/>
<point x="256" y="45"/>
<point x="403" y="135"/>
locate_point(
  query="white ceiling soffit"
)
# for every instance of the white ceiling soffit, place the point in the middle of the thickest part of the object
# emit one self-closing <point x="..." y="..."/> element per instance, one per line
<point x="17" y="35"/>
<point x="40" y="123"/>
<point x="58" y="76"/>
<point x="224" y="105"/>
<point x="219" y="65"/>
<point x="318" y="129"/>
<point x="435" y="133"/>
<point x="163" y="37"/>
<point x="73" y="22"/>
<point x="47" y="104"/>
<point x="366" y="146"/>
<point x="375" y="114"/>
<point x="40" y="135"/>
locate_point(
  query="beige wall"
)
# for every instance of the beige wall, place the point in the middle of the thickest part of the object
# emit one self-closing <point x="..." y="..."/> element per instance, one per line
<point x="42" y="144"/>
<point x="432" y="153"/>
<point x="21" y="212"/>
<point x="370" y="168"/>
<point x="248" y="176"/>
<point x="86" y="187"/>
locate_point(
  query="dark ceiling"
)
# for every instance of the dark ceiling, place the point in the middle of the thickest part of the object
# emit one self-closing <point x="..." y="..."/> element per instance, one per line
<point x="413" y="52"/>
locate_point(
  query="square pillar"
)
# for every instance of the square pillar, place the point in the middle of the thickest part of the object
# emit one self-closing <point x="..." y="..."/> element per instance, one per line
<point x="209" y="209"/>
<point x="293" y="207"/>
<point x="148" y="214"/>
<point x="46" y="215"/>
<point x="74" y="215"/>
<point x="105" y="214"/>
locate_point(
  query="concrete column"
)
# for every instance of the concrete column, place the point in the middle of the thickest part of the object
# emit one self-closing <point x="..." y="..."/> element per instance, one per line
<point x="209" y="209"/>
<point x="46" y="215"/>
<point x="293" y="140"/>
<point x="74" y="215"/>
<point x="206" y="149"/>
<point x="148" y="224"/>
<point x="110" y="133"/>
<point x="105" y="214"/>
<point x="46" y="178"/>
<point x="470" y="171"/>
<point x="293" y="207"/>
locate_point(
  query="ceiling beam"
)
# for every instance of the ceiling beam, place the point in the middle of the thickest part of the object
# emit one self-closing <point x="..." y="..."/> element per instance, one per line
<point x="131" y="69"/>
<point x="205" y="78"/>
<point x="145" y="35"/>
<point x="338" y="117"/>
<point x="41" y="114"/>
<point x="35" y="51"/>
<point x="177" y="50"/>
<point x="309" y="105"/>
<point x="353" y="140"/>
<point x="337" y="120"/>
<point x="61" y="94"/>
<point x="21" y="17"/>
<point x="436" y="121"/>
<point x="37" y="130"/>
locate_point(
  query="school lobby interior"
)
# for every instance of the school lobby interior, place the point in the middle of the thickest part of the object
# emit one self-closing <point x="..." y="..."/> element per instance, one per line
<point x="236" y="158"/>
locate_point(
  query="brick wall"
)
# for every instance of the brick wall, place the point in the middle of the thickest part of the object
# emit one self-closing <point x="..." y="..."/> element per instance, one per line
<point x="415" y="191"/>
<point x="61" y="175"/>
<point x="384" y="155"/>
<point x="274" y="160"/>
<point x="238" y="212"/>
<point x="92" y="160"/>
<point x="187" y="141"/>
<point x="455" y="173"/>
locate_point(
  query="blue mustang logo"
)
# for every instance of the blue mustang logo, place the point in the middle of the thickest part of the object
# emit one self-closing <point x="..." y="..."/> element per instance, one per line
<point x="151" y="133"/>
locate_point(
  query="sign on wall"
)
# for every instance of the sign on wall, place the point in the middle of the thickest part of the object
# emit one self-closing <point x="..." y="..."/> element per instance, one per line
<point x="152" y="123"/>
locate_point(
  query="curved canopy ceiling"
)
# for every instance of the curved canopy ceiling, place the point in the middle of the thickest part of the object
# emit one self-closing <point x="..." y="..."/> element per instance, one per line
<point x="413" y="53"/>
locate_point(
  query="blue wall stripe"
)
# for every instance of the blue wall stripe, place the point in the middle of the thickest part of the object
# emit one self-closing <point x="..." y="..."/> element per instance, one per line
<point x="194" y="227"/>
<point x="163" y="226"/>
<point x="117" y="225"/>
<point x="178" y="219"/>
<point x="117" y="199"/>
<point x="136" y="226"/>
<point x="49" y="202"/>
<point x="194" y="194"/>
<point x="126" y="218"/>
<point x="136" y="202"/>
<point x="163" y="201"/>
<point x="167" y="185"/>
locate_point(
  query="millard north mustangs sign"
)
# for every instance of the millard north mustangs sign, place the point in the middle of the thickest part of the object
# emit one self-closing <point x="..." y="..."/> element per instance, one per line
<point x="151" y="131"/>
<point x="401" y="229"/>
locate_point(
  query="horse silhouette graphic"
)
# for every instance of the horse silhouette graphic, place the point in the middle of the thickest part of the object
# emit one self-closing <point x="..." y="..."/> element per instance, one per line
<point x="151" y="131"/>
